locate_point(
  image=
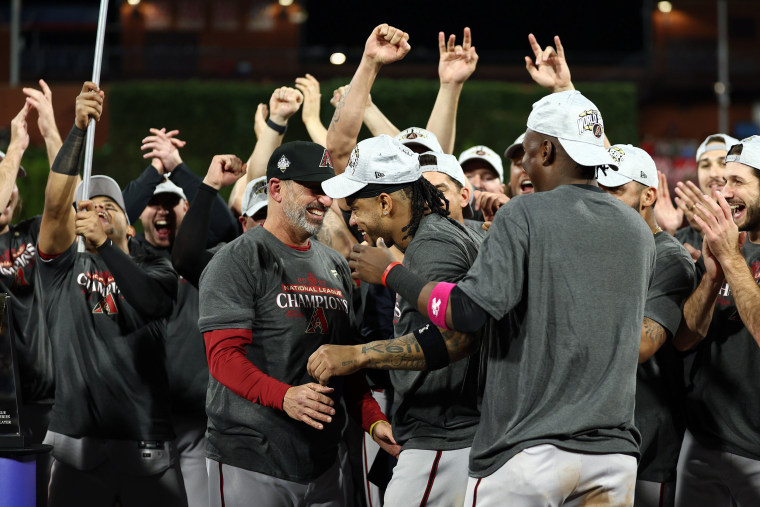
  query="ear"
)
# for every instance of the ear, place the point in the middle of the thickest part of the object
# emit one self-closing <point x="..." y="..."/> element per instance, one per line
<point x="503" y="188"/>
<point x="386" y="204"/>
<point x="241" y="219"/>
<point x="648" y="197"/>
<point x="465" y="193"/>
<point x="548" y="152"/>
<point x="275" y="189"/>
<point x="130" y="232"/>
<point x="186" y="206"/>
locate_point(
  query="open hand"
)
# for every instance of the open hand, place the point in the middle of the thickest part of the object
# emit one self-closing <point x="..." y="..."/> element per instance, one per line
<point x="550" y="69"/>
<point x="307" y="403"/>
<point x="456" y="63"/>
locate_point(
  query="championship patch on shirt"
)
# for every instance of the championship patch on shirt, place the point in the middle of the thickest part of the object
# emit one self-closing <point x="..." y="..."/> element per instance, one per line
<point x="13" y="262"/>
<point x="313" y="294"/>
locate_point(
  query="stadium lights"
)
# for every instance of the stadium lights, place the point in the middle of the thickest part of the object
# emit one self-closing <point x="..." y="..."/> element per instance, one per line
<point x="665" y="6"/>
<point x="337" y="58"/>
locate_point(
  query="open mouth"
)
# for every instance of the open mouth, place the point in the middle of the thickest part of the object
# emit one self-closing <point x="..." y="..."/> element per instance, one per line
<point x="738" y="210"/>
<point x="104" y="217"/>
<point x="315" y="212"/>
<point x="526" y="187"/>
<point x="163" y="230"/>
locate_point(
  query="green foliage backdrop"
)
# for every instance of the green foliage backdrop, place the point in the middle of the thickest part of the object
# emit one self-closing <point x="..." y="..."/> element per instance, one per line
<point x="218" y="118"/>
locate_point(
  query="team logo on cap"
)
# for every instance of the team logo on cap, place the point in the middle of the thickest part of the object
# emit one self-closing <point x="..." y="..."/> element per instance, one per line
<point x="354" y="159"/>
<point x="326" y="160"/>
<point x="617" y="154"/>
<point x="480" y="153"/>
<point x="590" y="121"/>
<point x="283" y="163"/>
<point x="411" y="135"/>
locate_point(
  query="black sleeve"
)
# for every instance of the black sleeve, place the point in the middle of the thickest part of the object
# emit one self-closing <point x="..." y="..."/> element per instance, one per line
<point x="138" y="192"/>
<point x="466" y="315"/>
<point x="189" y="254"/>
<point x="69" y="158"/>
<point x="151" y="296"/>
<point x="224" y="227"/>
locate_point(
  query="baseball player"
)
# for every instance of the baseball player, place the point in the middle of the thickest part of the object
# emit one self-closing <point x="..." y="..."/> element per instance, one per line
<point x="106" y="309"/>
<point x="436" y="412"/>
<point x="519" y="181"/>
<point x="560" y="385"/>
<point x="271" y="297"/>
<point x="444" y="172"/>
<point x="659" y="377"/>
<point x="720" y="458"/>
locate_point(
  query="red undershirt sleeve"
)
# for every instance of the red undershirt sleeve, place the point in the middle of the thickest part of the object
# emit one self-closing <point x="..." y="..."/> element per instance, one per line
<point x="362" y="407"/>
<point x="225" y="351"/>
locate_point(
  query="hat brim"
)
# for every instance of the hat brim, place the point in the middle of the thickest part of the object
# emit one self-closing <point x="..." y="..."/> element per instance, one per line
<point x="510" y="152"/>
<point x="612" y="178"/>
<point x="341" y="186"/>
<point x="586" y="154"/>
<point x="255" y="208"/>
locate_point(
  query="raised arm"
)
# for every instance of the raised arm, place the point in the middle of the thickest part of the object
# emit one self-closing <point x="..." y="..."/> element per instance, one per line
<point x="455" y="65"/>
<point x="9" y="166"/>
<point x="386" y="44"/>
<point x="57" y="227"/>
<point x="309" y="87"/>
<point x="374" y="119"/>
<point x="42" y="101"/>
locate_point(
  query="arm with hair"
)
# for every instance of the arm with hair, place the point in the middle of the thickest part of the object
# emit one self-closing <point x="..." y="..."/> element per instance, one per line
<point x="309" y="87"/>
<point x="386" y="44"/>
<point x="456" y="65"/>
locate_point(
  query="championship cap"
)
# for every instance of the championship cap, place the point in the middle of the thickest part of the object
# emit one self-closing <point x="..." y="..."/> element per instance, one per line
<point x="750" y="154"/>
<point x="101" y="185"/>
<point x="300" y="161"/>
<point x="718" y="142"/>
<point x="21" y="170"/>
<point x="416" y="135"/>
<point x="169" y="187"/>
<point x="486" y="154"/>
<point x="633" y="164"/>
<point x="255" y="196"/>
<point x="446" y="164"/>
<point x="576" y="123"/>
<point x="378" y="164"/>
<point x="517" y="145"/>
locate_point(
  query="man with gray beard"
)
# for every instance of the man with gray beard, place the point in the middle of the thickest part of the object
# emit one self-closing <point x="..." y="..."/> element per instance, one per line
<point x="268" y="300"/>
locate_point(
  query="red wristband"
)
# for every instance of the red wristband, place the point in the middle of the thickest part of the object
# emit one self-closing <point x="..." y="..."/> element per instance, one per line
<point x="388" y="270"/>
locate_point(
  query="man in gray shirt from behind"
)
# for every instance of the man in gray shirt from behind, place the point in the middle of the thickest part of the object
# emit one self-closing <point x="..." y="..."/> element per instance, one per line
<point x="571" y="265"/>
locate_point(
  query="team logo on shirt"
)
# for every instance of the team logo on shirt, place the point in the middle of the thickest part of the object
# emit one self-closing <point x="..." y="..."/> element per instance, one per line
<point x="318" y="322"/>
<point x="102" y="284"/>
<point x="591" y="121"/>
<point x="13" y="262"/>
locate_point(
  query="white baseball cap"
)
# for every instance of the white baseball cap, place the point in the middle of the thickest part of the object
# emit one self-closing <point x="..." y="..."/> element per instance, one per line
<point x="169" y="187"/>
<point x="21" y="171"/>
<point x="727" y="142"/>
<point x="378" y="164"/>
<point x="576" y="122"/>
<point x="517" y="145"/>
<point x="750" y="154"/>
<point x="446" y="164"/>
<point x="633" y="164"/>
<point x="255" y="196"/>
<point x="416" y="135"/>
<point x="485" y="153"/>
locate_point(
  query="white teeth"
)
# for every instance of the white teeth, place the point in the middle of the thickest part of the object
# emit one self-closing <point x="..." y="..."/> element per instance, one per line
<point x="316" y="212"/>
<point x="160" y="222"/>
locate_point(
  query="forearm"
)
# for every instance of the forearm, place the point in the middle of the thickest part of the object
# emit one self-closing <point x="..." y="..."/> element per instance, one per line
<point x="138" y="192"/>
<point x="262" y="150"/>
<point x="697" y="314"/>
<point x="189" y="254"/>
<point x="227" y="363"/>
<point x="745" y="292"/>
<point x="377" y="122"/>
<point x="406" y="352"/>
<point x="53" y="145"/>
<point x="653" y="335"/>
<point x="349" y="115"/>
<point x="443" y="117"/>
<point x="145" y="294"/>
<point x="317" y="131"/>
<point x="9" y="167"/>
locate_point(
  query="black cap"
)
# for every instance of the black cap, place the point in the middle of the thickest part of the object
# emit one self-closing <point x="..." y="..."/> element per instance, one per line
<point x="300" y="161"/>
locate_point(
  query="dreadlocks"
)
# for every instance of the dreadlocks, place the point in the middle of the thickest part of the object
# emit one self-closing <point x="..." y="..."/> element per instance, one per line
<point x="423" y="197"/>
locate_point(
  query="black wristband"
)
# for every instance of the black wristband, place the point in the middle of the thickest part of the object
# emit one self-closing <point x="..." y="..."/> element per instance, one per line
<point x="433" y="346"/>
<point x="69" y="156"/>
<point x="406" y="284"/>
<point x="280" y="129"/>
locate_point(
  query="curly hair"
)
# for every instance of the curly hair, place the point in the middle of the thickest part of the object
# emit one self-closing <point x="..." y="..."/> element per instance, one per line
<point x="423" y="196"/>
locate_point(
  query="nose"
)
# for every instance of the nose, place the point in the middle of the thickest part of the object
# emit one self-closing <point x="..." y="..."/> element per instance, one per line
<point x="325" y="200"/>
<point x="716" y="170"/>
<point x="352" y="221"/>
<point x="474" y="180"/>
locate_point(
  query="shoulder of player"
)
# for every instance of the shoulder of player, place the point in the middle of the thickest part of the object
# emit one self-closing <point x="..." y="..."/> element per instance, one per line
<point x="28" y="229"/>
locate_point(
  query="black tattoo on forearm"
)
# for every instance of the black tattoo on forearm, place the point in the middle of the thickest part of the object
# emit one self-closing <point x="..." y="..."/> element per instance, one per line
<point x="405" y="353"/>
<point x="654" y="333"/>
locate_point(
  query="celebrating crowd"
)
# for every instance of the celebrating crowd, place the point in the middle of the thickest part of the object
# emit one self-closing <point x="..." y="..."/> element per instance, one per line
<point x="378" y="321"/>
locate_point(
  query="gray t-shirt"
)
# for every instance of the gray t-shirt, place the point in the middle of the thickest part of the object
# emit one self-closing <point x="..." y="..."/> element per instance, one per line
<point x="723" y="402"/>
<point x="437" y="410"/>
<point x="573" y="266"/>
<point x="659" y="381"/>
<point x="294" y="301"/>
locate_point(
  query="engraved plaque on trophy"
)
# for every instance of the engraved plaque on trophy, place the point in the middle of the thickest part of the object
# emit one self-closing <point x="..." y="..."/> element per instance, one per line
<point x="10" y="395"/>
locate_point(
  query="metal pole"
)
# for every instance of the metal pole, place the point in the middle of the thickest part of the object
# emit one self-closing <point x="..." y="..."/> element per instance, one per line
<point x="90" y="139"/>
<point x="15" y="41"/>
<point x="722" y="87"/>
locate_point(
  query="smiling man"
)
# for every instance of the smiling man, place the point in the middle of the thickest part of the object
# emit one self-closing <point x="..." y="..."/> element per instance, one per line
<point x="106" y="311"/>
<point x="720" y="459"/>
<point x="271" y="298"/>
